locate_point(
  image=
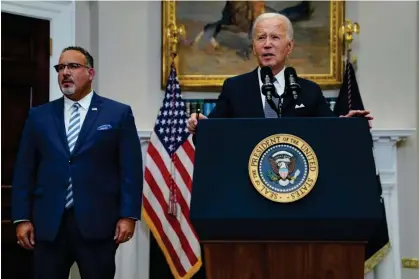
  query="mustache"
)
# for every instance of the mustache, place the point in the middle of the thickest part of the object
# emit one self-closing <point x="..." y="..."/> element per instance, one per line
<point x="67" y="80"/>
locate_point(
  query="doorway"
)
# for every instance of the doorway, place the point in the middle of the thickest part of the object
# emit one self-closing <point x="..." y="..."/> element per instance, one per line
<point x="25" y="57"/>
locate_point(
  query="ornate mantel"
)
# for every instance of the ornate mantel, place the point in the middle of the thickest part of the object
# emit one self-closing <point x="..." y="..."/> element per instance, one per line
<point x="385" y="150"/>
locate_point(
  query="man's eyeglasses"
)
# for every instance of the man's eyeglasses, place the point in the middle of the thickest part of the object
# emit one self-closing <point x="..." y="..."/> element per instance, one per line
<point x="70" y="66"/>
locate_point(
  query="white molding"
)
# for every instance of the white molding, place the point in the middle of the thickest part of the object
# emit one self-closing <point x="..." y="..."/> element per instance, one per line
<point x="394" y="135"/>
<point x="61" y="15"/>
<point x="144" y="135"/>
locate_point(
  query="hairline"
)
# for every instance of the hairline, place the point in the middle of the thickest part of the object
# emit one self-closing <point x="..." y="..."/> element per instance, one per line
<point x="82" y="51"/>
<point x="289" y="30"/>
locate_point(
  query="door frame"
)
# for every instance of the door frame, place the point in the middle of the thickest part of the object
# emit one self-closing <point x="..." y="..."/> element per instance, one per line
<point x="62" y="30"/>
<point x="62" y="17"/>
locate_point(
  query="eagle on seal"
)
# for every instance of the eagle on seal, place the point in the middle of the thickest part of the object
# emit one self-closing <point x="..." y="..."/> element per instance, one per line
<point x="283" y="165"/>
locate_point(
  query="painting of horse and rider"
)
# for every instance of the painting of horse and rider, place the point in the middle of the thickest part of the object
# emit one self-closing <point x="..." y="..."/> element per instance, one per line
<point x="217" y="41"/>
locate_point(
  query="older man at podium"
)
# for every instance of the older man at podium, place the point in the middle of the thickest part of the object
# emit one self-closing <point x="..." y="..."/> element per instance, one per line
<point x="271" y="90"/>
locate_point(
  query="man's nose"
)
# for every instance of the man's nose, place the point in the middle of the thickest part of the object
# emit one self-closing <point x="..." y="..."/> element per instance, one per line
<point x="268" y="43"/>
<point x="66" y="71"/>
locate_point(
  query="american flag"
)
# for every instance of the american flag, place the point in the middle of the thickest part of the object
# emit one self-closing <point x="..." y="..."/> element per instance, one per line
<point x="168" y="183"/>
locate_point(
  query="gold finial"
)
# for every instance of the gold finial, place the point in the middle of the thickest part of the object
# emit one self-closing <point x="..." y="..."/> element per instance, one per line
<point x="347" y="30"/>
<point x="174" y="35"/>
<point x="346" y="33"/>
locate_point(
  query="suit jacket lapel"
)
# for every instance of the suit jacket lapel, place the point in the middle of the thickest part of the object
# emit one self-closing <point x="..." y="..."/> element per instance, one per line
<point x="288" y="100"/>
<point x="91" y="116"/>
<point x="59" y="121"/>
<point x="255" y="97"/>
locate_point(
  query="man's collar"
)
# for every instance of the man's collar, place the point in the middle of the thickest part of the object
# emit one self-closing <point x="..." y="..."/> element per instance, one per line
<point x="84" y="103"/>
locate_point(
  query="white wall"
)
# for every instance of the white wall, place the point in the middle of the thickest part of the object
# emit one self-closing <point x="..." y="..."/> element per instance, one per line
<point x="388" y="76"/>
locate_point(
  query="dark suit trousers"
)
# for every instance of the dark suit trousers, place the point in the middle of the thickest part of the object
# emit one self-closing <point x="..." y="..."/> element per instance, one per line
<point x="95" y="258"/>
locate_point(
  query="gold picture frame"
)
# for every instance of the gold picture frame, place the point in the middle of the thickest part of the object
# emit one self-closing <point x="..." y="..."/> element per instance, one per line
<point x="173" y="30"/>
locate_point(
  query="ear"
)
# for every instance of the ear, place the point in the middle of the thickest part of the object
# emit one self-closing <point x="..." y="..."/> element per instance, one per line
<point x="290" y="47"/>
<point x="92" y="73"/>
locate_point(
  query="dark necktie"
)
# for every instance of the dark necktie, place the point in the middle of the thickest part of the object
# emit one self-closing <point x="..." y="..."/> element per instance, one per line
<point x="269" y="112"/>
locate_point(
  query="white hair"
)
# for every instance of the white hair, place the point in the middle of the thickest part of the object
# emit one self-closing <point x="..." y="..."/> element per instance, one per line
<point x="290" y="30"/>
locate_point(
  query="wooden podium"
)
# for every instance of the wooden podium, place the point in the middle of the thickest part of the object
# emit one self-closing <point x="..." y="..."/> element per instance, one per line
<point x="246" y="235"/>
<point x="284" y="260"/>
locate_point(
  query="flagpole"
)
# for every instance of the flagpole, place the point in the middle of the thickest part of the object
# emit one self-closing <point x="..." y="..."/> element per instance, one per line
<point x="346" y="33"/>
<point x="173" y="204"/>
<point x="175" y="34"/>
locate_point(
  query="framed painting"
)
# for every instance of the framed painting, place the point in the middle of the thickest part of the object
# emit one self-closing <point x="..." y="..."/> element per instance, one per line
<point x="216" y="38"/>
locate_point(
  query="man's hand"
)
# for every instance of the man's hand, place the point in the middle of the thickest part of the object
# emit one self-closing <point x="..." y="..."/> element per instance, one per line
<point x="360" y="113"/>
<point x="25" y="234"/>
<point x="193" y="121"/>
<point x="124" y="230"/>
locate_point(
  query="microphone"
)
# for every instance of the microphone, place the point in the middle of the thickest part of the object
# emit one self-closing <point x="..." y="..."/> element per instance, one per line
<point x="291" y="84"/>
<point x="268" y="88"/>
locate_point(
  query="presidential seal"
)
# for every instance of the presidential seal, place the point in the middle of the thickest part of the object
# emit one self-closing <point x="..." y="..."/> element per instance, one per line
<point x="283" y="168"/>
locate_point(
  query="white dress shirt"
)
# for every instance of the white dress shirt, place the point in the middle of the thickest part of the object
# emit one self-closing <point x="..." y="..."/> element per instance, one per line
<point x="83" y="109"/>
<point x="279" y="84"/>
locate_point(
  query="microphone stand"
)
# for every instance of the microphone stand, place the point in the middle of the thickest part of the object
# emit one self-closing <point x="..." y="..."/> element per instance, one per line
<point x="279" y="112"/>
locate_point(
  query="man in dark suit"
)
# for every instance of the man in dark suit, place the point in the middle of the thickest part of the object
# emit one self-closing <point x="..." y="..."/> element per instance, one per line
<point x="241" y="95"/>
<point x="78" y="177"/>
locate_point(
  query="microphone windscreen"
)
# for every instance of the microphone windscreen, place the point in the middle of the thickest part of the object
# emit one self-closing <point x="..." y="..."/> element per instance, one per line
<point x="290" y="71"/>
<point x="266" y="71"/>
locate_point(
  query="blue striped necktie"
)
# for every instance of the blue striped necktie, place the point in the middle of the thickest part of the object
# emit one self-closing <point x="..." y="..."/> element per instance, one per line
<point x="269" y="112"/>
<point x="72" y="135"/>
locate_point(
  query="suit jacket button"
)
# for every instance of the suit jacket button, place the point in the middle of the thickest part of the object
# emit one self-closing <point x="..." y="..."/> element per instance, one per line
<point x="70" y="161"/>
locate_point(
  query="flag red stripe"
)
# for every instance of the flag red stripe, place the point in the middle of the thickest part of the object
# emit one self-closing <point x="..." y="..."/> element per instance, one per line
<point x="186" y="177"/>
<point x="188" y="182"/>
<point x="166" y="175"/>
<point x="168" y="245"/>
<point x="173" y="221"/>
<point x="183" y="173"/>
<point x="190" y="150"/>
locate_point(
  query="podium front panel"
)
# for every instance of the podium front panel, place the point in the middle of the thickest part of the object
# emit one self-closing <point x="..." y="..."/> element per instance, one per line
<point x="344" y="203"/>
